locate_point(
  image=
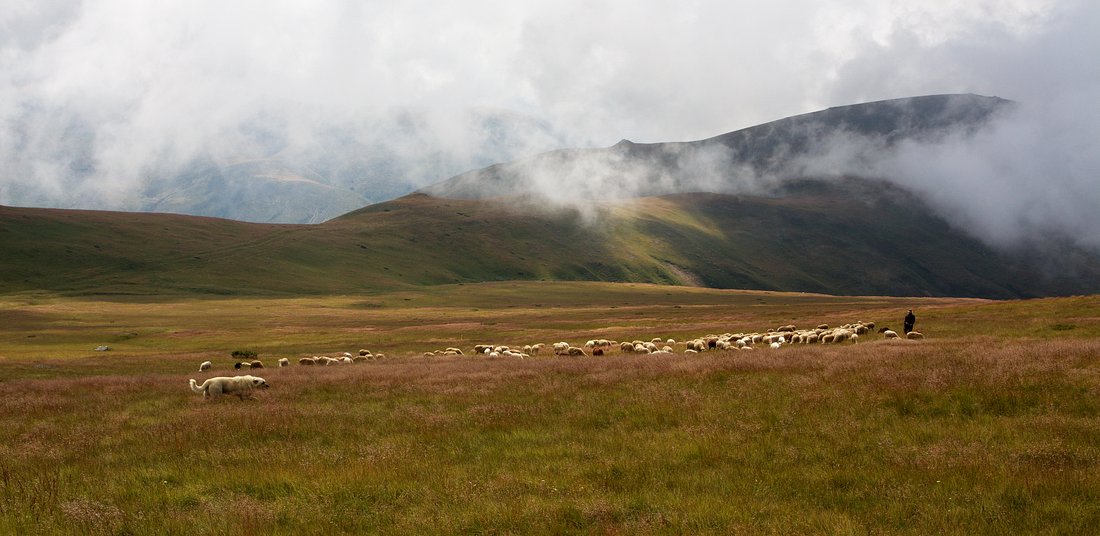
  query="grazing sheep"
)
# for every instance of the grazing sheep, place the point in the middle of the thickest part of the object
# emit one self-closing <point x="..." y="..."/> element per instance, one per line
<point x="284" y="362"/>
<point x="307" y="361"/>
<point x="574" y="351"/>
<point x="788" y="327"/>
<point x="670" y="342"/>
<point x="205" y="365"/>
<point x="690" y="351"/>
<point x="242" y="365"/>
<point x="890" y="334"/>
<point x="626" y="347"/>
<point x="823" y="326"/>
<point x="775" y="345"/>
<point x="364" y="353"/>
<point x="561" y="348"/>
<point x="256" y="364"/>
<point x="914" y="335"/>
<point x="870" y="325"/>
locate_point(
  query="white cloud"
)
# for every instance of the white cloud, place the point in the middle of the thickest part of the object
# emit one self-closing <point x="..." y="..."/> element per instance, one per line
<point x="94" y="96"/>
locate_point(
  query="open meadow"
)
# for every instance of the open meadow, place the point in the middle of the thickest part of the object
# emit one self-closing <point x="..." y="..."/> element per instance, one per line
<point x="989" y="425"/>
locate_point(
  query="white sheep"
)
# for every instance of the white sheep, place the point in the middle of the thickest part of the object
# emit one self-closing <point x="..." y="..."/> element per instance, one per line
<point x="914" y="335"/>
<point x="205" y="366"/>
<point x="284" y="362"/>
<point x="890" y="334"/>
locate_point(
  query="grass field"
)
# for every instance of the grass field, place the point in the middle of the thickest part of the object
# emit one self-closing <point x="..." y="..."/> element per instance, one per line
<point x="991" y="425"/>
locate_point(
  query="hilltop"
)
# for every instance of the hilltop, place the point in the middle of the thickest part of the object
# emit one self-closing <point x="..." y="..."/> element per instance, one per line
<point x="743" y="161"/>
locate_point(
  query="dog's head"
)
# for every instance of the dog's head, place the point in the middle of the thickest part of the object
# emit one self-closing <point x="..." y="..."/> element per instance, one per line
<point x="259" y="383"/>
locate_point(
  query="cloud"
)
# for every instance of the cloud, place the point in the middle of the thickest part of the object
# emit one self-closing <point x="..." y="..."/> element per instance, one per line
<point x="98" y="99"/>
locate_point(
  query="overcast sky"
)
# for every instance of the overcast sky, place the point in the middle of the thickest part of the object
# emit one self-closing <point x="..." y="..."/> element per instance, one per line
<point x="163" y="81"/>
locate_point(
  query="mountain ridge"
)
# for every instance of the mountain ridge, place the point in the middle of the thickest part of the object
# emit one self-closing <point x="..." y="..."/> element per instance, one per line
<point x="731" y="162"/>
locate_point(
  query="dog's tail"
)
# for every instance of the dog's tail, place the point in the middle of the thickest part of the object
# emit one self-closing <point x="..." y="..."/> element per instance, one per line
<point x="196" y="388"/>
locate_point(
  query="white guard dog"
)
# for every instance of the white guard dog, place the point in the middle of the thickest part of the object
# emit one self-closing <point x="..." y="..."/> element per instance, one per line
<point x="242" y="386"/>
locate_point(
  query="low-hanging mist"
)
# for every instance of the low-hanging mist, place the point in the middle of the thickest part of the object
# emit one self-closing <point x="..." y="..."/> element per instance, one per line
<point x="1008" y="173"/>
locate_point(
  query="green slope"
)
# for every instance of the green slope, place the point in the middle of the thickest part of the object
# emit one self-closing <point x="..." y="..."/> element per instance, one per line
<point x="849" y="237"/>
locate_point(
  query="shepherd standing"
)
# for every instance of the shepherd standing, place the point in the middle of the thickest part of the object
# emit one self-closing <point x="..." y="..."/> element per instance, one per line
<point x="910" y="319"/>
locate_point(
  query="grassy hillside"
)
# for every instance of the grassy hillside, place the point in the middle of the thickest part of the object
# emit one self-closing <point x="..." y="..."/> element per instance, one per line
<point x="989" y="426"/>
<point x="847" y="237"/>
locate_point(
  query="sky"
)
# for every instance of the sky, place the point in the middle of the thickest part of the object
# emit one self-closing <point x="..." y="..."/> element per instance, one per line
<point x="96" y="95"/>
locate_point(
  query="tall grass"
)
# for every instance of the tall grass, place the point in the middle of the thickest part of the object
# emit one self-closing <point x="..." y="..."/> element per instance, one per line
<point x="972" y="433"/>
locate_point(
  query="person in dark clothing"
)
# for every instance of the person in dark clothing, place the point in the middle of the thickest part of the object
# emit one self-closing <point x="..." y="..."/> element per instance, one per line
<point x="910" y="319"/>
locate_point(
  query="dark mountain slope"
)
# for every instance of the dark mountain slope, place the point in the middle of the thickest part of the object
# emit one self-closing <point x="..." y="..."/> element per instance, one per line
<point x="812" y="236"/>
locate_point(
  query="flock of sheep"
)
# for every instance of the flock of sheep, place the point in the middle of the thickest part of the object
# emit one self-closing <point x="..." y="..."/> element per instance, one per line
<point x="770" y="339"/>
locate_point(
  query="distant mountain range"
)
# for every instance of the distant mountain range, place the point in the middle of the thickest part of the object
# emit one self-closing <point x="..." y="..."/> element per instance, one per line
<point x="269" y="171"/>
<point x="734" y="211"/>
